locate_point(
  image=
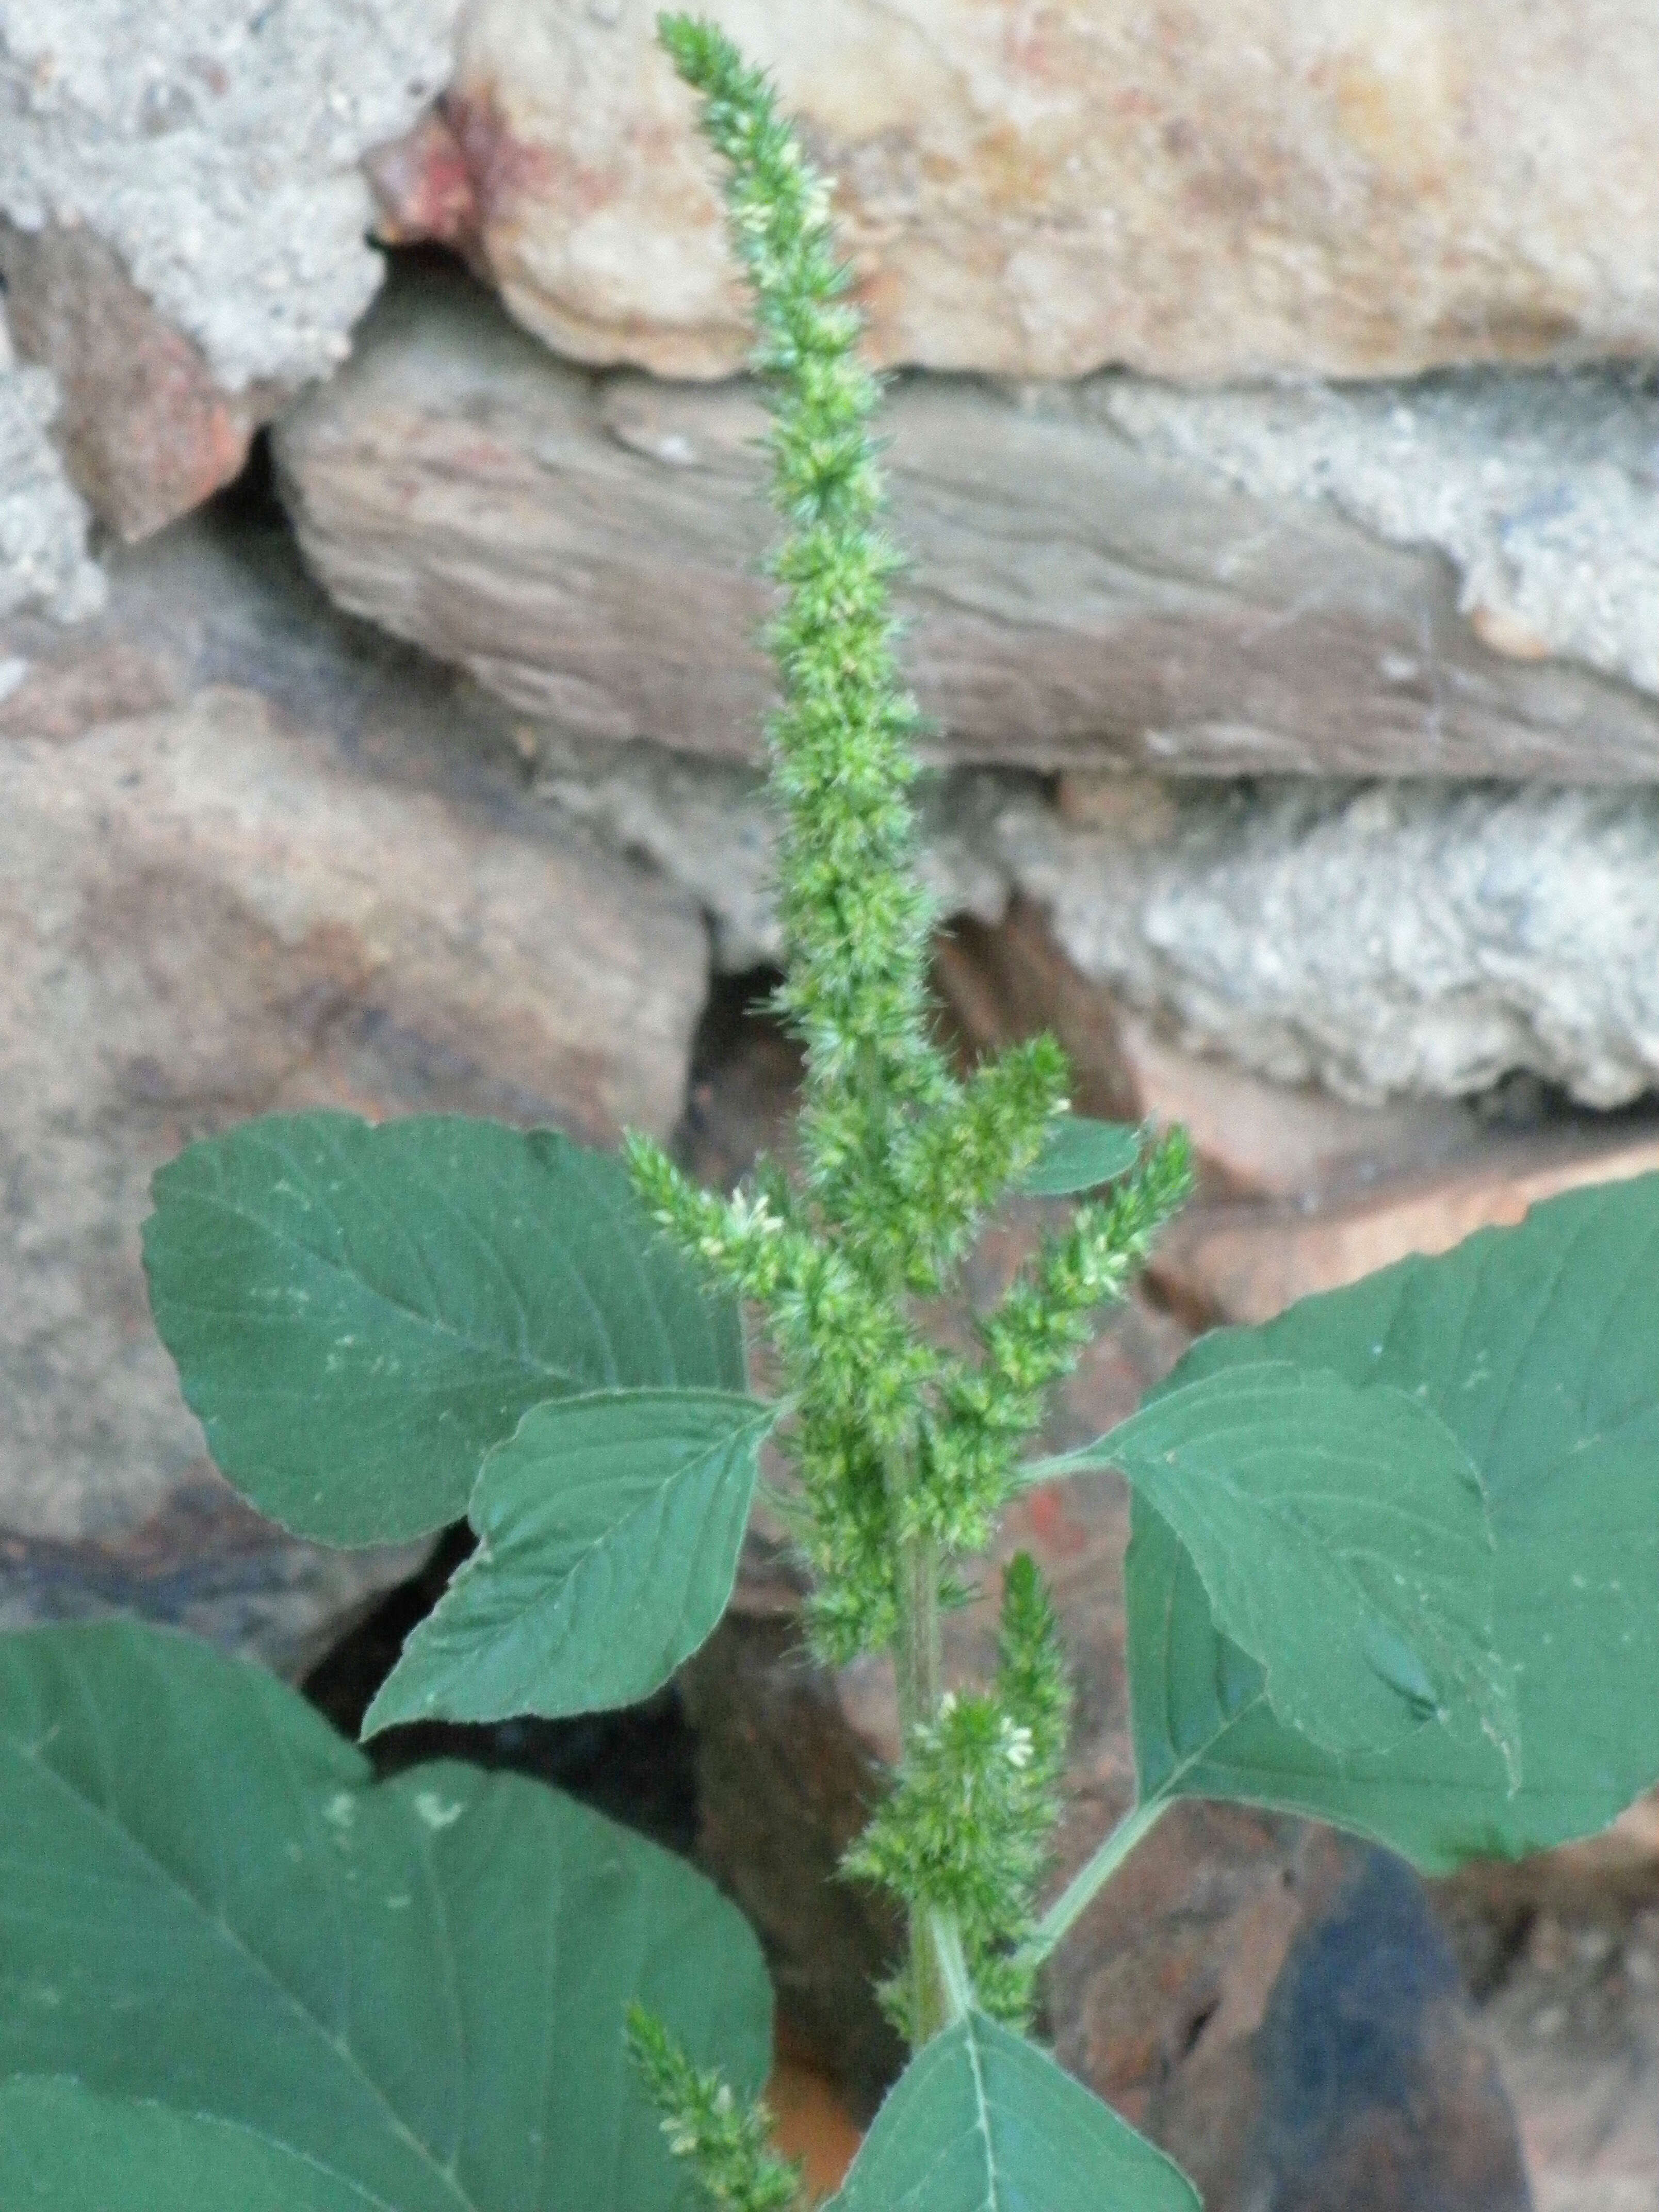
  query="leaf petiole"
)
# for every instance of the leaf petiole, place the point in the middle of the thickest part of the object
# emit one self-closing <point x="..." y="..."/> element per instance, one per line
<point x="1090" y="1879"/>
<point x="952" y="1966"/>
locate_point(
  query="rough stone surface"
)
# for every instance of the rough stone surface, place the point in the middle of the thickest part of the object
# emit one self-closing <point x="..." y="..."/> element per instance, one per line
<point x="1389" y="941"/>
<point x="1251" y="1138"/>
<point x="1334" y="2061"/>
<point x="1564" y="1952"/>
<point x="236" y="903"/>
<point x="209" y="157"/>
<point x="1397" y="938"/>
<point x="44" y="563"/>
<point x="1543" y="491"/>
<point x="707" y="824"/>
<point x="1575" y="2024"/>
<point x="146" y="432"/>
<point x="1355" y="190"/>
<point x="1247" y="1263"/>
<point x="1083" y="595"/>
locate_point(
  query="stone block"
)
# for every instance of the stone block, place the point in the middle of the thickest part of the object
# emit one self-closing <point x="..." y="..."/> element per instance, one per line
<point x="184" y="218"/>
<point x="1247" y="1263"/>
<point x="1278" y="190"/>
<point x="44" y="563"/>
<point x="1088" y="590"/>
<point x="216" y="901"/>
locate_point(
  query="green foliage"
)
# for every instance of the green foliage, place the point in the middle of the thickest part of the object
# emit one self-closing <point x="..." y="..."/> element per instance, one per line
<point x="609" y="1529"/>
<point x="1537" y="1349"/>
<point x="358" y="1315"/>
<point x="1395" y="1557"/>
<point x="894" y="1443"/>
<point x="1080" y="1155"/>
<point x="986" y="1411"/>
<point x="415" y="1991"/>
<point x="856" y="921"/>
<point x="983" y="2122"/>
<point x="65" y="2149"/>
<point x="1344" y="1538"/>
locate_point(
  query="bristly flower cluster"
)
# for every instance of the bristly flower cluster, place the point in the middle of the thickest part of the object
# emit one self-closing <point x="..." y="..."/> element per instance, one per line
<point x="905" y="1452"/>
<point x="902" y="1158"/>
<point x="724" y="2144"/>
<point x="965" y="1828"/>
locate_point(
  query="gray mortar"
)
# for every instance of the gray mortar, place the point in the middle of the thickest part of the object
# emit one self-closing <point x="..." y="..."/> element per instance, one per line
<point x="1542" y="489"/>
<point x="707" y="824"/>
<point x="44" y="566"/>
<point x="215" y="147"/>
<point x="1384" y="939"/>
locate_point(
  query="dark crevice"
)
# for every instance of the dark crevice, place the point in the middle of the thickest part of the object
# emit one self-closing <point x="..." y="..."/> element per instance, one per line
<point x="1196" y="2026"/>
<point x="637" y="1766"/>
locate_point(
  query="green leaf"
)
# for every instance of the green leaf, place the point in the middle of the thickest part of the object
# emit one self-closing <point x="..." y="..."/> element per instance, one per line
<point x="1079" y="1155"/>
<point x="609" y="1529"/>
<point x="1343" y="1536"/>
<point x="982" y="2121"/>
<point x="63" y="2149"/>
<point x="419" y="1985"/>
<point x="359" y="1314"/>
<point x="1538" y="1348"/>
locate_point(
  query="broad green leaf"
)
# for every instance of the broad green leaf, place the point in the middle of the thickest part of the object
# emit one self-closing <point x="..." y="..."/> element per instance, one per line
<point x="1080" y="1154"/>
<point x="65" y="2149"/>
<point x="359" y="1314"/>
<point x="609" y="1529"/>
<point x="419" y="1985"/>
<point x="1538" y="1348"/>
<point x="1343" y="1537"/>
<point x="982" y="2121"/>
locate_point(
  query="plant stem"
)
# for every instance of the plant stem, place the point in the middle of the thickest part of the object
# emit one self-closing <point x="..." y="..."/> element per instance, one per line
<point x="1090" y="1879"/>
<point x="953" y="1966"/>
<point x="916" y="1654"/>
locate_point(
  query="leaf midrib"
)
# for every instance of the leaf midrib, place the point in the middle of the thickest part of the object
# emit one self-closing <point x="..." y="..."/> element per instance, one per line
<point x="982" y="2118"/>
<point x="438" y="1325"/>
<point x="652" y="1504"/>
<point x="1336" y="1561"/>
<point x="341" y="2051"/>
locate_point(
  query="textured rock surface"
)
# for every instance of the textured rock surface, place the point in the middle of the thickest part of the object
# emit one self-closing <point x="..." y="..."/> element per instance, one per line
<point x="1543" y="491"/>
<point x="223" y="906"/>
<point x="1252" y="1139"/>
<point x="211" y="155"/>
<point x="146" y="432"/>
<point x="707" y="825"/>
<point x="1392" y="940"/>
<point x="1082" y="592"/>
<point x="42" y="525"/>
<point x="1362" y="190"/>
<point x="1575" y="2025"/>
<point x="1247" y="1263"/>
<point x="1399" y="938"/>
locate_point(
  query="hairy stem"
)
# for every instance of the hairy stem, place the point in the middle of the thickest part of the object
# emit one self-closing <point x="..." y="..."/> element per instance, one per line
<point x="916" y="1655"/>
